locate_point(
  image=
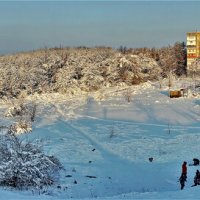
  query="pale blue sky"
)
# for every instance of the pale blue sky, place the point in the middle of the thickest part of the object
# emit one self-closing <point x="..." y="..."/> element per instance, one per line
<point x="29" y="25"/>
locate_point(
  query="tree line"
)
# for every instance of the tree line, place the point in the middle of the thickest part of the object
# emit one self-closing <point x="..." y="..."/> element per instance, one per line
<point x="172" y="58"/>
<point x="83" y="69"/>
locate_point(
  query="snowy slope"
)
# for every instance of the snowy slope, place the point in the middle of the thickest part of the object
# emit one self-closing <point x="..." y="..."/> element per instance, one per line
<point x="104" y="143"/>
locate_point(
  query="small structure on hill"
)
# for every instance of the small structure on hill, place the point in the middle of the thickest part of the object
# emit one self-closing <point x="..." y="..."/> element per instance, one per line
<point x="178" y="93"/>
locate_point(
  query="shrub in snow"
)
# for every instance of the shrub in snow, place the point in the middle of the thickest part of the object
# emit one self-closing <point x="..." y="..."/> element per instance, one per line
<point x="32" y="112"/>
<point x="25" y="114"/>
<point x="22" y="109"/>
<point x="20" y="127"/>
<point x="18" y="110"/>
<point x="24" y="165"/>
<point x="128" y="95"/>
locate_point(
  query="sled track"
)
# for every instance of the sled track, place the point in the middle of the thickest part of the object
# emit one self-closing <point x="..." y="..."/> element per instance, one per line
<point x="106" y="154"/>
<point x="145" y="124"/>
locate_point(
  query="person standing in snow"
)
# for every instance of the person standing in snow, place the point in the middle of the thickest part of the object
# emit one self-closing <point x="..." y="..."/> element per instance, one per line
<point x="197" y="178"/>
<point x="196" y="161"/>
<point x="184" y="169"/>
<point x="182" y="180"/>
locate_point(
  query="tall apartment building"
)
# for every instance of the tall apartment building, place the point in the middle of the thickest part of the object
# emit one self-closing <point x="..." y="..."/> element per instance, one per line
<point x="193" y="47"/>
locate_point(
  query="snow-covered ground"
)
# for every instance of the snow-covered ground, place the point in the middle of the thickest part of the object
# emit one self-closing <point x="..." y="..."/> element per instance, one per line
<point x="105" y="142"/>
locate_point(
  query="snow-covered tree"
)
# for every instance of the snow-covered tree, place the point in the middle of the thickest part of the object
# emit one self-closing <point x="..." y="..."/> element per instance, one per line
<point x="195" y="67"/>
<point x="23" y="164"/>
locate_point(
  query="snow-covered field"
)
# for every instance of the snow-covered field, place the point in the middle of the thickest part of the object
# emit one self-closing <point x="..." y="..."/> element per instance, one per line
<point x="105" y="142"/>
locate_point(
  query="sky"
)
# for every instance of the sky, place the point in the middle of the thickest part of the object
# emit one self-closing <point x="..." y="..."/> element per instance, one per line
<point x="29" y="25"/>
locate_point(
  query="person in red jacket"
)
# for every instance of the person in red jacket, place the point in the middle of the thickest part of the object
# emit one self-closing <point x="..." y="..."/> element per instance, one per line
<point x="184" y="169"/>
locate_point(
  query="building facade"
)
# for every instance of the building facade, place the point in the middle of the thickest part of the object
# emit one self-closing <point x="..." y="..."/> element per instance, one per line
<point x="193" y="48"/>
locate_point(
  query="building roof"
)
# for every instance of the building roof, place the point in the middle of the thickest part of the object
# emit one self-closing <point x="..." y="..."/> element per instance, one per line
<point x="193" y="33"/>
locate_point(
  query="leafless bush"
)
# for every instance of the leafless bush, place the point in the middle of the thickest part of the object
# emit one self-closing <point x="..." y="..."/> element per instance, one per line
<point x="111" y="132"/>
<point x="32" y="112"/>
<point x="17" y="110"/>
<point x="128" y="95"/>
<point x="26" y="111"/>
<point x="20" y="127"/>
<point x="123" y="49"/>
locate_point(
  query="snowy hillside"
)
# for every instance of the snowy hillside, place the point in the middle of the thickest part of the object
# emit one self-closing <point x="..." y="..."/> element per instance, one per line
<point x="104" y="140"/>
<point x="73" y="71"/>
<point x="83" y="69"/>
